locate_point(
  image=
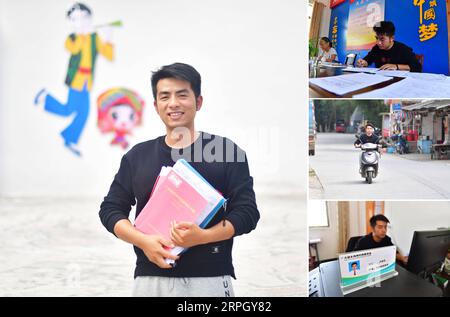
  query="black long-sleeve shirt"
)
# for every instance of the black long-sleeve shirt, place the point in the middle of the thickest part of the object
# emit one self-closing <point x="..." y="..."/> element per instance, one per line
<point x="227" y="173"/>
<point x="398" y="54"/>
<point x="367" y="242"/>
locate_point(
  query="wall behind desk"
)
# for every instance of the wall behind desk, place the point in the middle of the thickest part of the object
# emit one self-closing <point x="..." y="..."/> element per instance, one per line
<point x="409" y="216"/>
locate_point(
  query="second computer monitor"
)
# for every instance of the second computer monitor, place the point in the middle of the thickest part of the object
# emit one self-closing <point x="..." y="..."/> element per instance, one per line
<point x="428" y="250"/>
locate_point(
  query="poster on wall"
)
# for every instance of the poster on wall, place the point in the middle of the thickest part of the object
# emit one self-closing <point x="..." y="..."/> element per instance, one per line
<point x="85" y="44"/>
<point x="363" y="14"/>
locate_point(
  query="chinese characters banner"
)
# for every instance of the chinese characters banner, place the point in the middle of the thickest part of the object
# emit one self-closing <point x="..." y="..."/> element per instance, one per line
<point x="428" y="27"/>
<point x="363" y="14"/>
<point x="334" y="32"/>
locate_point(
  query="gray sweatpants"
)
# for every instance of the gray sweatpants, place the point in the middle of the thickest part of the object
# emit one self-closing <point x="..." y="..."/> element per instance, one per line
<point x="158" y="286"/>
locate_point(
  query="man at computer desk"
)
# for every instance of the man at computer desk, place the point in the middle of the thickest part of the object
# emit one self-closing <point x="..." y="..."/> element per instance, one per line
<point x="389" y="54"/>
<point x="378" y="237"/>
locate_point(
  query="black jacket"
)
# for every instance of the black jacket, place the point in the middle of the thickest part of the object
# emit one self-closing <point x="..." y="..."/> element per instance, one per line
<point x="367" y="242"/>
<point x="398" y="54"/>
<point x="134" y="181"/>
<point x="364" y="138"/>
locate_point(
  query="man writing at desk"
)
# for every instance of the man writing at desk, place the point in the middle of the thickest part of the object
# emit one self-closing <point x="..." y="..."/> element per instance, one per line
<point x="389" y="54"/>
<point x="378" y="237"/>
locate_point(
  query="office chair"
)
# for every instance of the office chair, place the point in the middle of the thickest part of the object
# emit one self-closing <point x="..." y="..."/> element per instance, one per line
<point x="315" y="283"/>
<point x="419" y="57"/>
<point x="352" y="243"/>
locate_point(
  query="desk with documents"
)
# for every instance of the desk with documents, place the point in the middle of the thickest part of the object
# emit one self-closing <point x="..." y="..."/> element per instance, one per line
<point x="322" y="72"/>
<point x="328" y="82"/>
<point x="405" y="284"/>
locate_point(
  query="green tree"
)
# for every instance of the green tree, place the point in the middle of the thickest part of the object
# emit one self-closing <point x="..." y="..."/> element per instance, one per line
<point x="327" y="111"/>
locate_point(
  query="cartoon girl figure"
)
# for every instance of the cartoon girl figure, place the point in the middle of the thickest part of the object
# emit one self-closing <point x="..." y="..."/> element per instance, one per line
<point x="119" y="111"/>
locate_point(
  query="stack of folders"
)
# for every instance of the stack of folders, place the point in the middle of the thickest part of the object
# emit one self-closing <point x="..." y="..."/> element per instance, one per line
<point x="180" y="194"/>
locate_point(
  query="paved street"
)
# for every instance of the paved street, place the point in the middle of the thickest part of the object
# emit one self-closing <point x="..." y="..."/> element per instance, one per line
<point x="58" y="247"/>
<point x="336" y="166"/>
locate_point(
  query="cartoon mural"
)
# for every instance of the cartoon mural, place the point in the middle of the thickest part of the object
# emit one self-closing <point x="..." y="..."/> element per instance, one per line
<point x="84" y="45"/>
<point x="119" y="111"/>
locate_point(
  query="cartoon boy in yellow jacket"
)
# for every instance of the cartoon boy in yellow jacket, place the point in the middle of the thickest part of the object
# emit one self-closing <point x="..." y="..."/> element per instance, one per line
<point x="84" y="45"/>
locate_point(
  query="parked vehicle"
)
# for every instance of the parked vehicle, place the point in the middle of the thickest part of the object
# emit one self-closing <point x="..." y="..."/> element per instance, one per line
<point x="340" y="126"/>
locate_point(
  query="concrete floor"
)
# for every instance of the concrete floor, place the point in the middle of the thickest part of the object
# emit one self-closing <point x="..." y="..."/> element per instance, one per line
<point x="58" y="247"/>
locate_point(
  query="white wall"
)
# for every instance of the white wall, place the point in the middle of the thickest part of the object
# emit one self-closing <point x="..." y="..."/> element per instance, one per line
<point x="250" y="55"/>
<point x="328" y="247"/>
<point x="408" y="216"/>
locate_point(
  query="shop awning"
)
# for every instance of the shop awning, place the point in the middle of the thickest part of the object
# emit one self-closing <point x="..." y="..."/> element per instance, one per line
<point x="428" y="105"/>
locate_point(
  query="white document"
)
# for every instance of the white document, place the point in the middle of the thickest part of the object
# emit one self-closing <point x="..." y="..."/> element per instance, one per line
<point x="427" y="76"/>
<point x="212" y="196"/>
<point x="394" y="73"/>
<point x="195" y="180"/>
<point x="163" y="173"/>
<point x="332" y="65"/>
<point x="343" y="84"/>
<point x="405" y="74"/>
<point x="411" y="88"/>
<point x="371" y="70"/>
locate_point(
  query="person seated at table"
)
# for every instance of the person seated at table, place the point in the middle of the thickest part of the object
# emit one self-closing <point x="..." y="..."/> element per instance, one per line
<point x="327" y="51"/>
<point x="389" y="54"/>
<point x="378" y="237"/>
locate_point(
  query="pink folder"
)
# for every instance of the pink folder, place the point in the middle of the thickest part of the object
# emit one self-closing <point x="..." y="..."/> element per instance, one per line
<point x="173" y="199"/>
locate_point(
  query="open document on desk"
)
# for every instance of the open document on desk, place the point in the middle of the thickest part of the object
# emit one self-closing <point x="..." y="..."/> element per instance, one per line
<point x="343" y="84"/>
<point x="369" y="70"/>
<point x="332" y="65"/>
<point x="412" y="88"/>
<point x="372" y="70"/>
<point x="395" y="73"/>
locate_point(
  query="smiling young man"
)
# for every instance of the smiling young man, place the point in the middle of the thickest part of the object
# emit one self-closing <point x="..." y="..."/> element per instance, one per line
<point x="389" y="54"/>
<point x="206" y="268"/>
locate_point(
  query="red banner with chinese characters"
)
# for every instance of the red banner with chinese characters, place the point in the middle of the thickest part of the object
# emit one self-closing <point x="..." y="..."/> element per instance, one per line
<point x="334" y="3"/>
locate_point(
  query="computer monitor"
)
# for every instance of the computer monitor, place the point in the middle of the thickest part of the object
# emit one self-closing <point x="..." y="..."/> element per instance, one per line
<point x="428" y="250"/>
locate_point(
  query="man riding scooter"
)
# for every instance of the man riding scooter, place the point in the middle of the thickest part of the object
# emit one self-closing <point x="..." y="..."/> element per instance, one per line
<point x="369" y="143"/>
